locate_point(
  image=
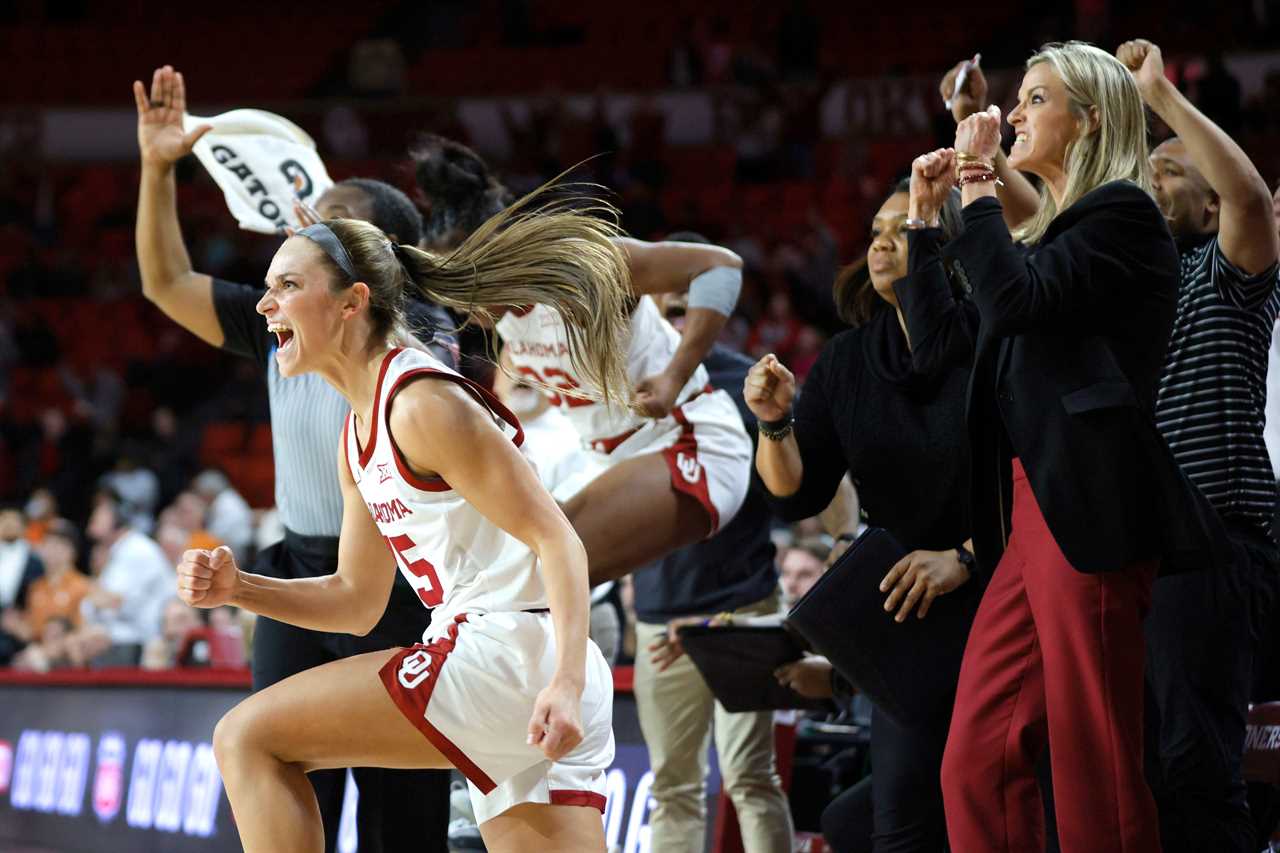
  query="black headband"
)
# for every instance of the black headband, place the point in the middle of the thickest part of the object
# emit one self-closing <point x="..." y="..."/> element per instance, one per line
<point x="322" y="235"/>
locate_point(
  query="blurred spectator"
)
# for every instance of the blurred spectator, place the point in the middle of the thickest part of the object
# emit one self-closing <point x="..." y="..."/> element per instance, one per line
<point x="800" y="566"/>
<point x="187" y="513"/>
<point x="173" y="540"/>
<point x="229" y="517"/>
<point x="178" y="620"/>
<point x="57" y="594"/>
<point x="20" y="567"/>
<point x="41" y="510"/>
<point x="137" y="486"/>
<point x="53" y="601"/>
<point x="122" y="609"/>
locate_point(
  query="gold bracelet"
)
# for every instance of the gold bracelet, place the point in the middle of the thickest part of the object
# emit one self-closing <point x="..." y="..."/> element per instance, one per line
<point x="966" y="157"/>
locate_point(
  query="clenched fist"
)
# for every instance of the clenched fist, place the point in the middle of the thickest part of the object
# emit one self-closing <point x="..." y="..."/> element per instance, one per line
<point x="769" y="389"/>
<point x="979" y="134"/>
<point x="1145" y="62"/>
<point x="207" y="578"/>
<point x="556" y="725"/>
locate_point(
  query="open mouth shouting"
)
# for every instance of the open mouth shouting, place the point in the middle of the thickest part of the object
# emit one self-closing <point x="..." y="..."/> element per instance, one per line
<point x="284" y="335"/>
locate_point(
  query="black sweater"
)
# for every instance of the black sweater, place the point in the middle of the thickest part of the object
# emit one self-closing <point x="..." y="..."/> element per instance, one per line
<point x="899" y="433"/>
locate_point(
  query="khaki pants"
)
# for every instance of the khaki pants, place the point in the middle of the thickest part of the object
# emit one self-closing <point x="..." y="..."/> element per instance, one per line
<point x="676" y="710"/>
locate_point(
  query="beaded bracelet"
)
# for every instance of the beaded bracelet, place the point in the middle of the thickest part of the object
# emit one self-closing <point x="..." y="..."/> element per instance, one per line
<point x="980" y="178"/>
<point x="776" y="430"/>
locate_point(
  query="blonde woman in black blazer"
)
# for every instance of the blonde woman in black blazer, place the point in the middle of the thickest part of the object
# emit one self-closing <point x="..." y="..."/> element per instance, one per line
<point x="1076" y="500"/>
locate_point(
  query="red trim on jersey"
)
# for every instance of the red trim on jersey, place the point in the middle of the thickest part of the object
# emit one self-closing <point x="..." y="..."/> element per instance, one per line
<point x="590" y="799"/>
<point x="483" y="396"/>
<point x="367" y="453"/>
<point x="523" y="310"/>
<point x="681" y="455"/>
<point x="413" y="701"/>
<point x="348" y="424"/>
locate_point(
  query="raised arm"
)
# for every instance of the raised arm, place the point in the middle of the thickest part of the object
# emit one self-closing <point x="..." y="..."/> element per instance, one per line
<point x="1246" y="226"/>
<point x="431" y="421"/>
<point x="167" y="278"/>
<point x="713" y="277"/>
<point x="349" y="601"/>
<point x="1017" y="195"/>
<point x="941" y="329"/>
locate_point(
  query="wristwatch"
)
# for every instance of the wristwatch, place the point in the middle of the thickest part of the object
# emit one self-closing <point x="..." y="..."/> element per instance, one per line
<point x="966" y="559"/>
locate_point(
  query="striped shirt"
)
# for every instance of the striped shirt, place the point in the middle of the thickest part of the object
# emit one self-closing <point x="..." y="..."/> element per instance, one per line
<point x="1213" y="392"/>
<point x="307" y="414"/>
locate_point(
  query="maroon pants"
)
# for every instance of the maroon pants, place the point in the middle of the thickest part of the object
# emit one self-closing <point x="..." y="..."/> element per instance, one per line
<point x="1056" y="655"/>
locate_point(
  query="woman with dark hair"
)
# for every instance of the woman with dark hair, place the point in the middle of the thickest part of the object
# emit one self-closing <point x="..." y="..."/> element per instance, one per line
<point x="455" y="189"/>
<point x="675" y="460"/>
<point x="897" y="427"/>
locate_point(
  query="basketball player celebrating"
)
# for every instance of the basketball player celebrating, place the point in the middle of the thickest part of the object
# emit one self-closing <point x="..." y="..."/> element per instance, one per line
<point x="398" y="811"/>
<point x="678" y="463"/>
<point x="506" y="686"/>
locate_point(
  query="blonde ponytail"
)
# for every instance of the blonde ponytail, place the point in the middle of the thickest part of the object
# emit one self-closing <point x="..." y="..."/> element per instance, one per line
<point x="559" y="253"/>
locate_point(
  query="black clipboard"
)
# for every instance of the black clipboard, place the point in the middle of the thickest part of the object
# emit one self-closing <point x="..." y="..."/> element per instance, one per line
<point x="908" y="670"/>
<point x="737" y="662"/>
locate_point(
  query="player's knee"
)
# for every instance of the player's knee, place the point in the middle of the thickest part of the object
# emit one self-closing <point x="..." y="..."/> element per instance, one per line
<point x="234" y="737"/>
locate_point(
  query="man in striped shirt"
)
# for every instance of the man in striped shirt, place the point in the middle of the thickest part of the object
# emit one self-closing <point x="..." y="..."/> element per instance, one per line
<point x="1203" y="625"/>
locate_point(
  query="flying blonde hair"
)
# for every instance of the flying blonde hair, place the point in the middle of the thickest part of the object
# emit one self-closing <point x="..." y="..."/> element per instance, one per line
<point x="1115" y="151"/>
<point x="558" y="251"/>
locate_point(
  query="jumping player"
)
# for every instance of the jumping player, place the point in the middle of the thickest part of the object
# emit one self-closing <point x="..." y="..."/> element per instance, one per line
<point x="677" y="464"/>
<point x="505" y="687"/>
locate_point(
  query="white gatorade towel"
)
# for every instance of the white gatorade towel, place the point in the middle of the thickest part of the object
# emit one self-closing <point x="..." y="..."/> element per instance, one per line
<point x="262" y="162"/>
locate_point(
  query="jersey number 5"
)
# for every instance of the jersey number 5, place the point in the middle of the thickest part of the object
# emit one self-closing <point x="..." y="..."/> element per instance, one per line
<point x="431" y="593"/>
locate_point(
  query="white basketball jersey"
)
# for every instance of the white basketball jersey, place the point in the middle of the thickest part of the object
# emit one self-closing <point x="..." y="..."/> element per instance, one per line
<point x="537" y="345"/>
<point x="456" y="559"/>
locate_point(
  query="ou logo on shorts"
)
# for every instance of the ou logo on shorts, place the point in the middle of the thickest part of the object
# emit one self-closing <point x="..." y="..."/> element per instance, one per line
<point x="414" y="669"/>
<point x="690" y="468"/>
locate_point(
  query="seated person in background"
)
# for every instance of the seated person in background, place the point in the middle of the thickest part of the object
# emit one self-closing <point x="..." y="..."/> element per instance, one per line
<point x="178" y="620"/>
<point x="19" y="568"/>
<point x="229" y="517"/>
<point x="122" y="609"/>
<point x="53" y="600"/>
<point x="799" y="568"/>
<point x="187" y="513"/>
<point x="41" y="509"/>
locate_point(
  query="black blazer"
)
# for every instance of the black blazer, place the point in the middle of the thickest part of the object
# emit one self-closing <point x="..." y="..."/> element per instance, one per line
<point x="1070" y="339"/>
